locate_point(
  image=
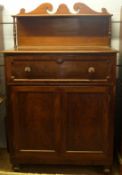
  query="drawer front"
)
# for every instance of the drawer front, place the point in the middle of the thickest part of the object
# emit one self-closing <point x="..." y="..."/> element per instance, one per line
<point x="60" y="67"/>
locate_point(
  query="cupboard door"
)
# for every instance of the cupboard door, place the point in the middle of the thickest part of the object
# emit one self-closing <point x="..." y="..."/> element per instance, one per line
<point x="35" y="123"/>
<point x="68" y="124"/>
<point x="88" y="124"/>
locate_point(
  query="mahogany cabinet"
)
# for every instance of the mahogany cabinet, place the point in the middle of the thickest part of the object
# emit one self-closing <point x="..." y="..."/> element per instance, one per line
<point x="60" y="82"/>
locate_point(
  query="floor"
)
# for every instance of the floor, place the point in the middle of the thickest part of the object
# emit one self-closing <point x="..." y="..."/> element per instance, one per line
<point x="6" y="169"/>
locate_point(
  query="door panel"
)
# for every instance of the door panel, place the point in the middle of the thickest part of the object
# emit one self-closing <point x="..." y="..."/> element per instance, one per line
<point x="88" y="123"/>
<point x="35" y="116"/>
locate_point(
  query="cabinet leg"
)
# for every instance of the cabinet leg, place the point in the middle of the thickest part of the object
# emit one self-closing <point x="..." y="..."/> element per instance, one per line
<point x="16" y="168"/>
<point x="107" y="171"/>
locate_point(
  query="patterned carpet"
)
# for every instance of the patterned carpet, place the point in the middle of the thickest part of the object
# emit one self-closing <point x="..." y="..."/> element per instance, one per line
<point x="6" y="169"/>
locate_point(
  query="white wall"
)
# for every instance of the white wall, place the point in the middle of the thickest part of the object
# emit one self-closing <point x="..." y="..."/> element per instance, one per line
<point x="11" y="7"/>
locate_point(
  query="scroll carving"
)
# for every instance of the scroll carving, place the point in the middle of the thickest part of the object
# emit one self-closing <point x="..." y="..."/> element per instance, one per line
<point x="42" y="9"/>
<point x="79" y="9"/>
<point x="63" y="9"/>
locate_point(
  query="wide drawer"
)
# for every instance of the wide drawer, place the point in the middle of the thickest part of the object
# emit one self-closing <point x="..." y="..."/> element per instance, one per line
<point x="55" y="67"/>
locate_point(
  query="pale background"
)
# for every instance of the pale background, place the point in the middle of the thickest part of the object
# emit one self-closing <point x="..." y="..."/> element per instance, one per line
<point x="11" y="7"/>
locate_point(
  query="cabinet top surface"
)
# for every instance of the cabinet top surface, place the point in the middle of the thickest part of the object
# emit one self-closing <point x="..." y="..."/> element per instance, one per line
<point x="61" y="49"/>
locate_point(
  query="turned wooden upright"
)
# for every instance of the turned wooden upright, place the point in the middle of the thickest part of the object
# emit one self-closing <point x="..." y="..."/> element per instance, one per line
<point x="119" y="146"/>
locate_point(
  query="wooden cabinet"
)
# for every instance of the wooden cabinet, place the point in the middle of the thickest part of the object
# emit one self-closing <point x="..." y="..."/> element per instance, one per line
<point x="61" y="85"/>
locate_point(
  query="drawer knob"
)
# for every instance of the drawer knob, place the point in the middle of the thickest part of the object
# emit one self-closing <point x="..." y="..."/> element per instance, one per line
<point x="91" y="70"/>
<point x="27" y="69"/>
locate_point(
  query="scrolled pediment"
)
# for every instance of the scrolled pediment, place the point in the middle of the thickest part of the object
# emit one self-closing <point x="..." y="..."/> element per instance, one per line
<point x="78" y="9"/>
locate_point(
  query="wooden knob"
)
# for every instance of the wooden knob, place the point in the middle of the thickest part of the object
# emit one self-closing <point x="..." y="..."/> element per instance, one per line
<point x="91" y="70"/>
<point x="27" y="69"/>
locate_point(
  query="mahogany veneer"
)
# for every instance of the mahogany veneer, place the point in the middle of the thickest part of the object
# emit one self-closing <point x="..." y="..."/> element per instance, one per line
<point x="60" y="81"/>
